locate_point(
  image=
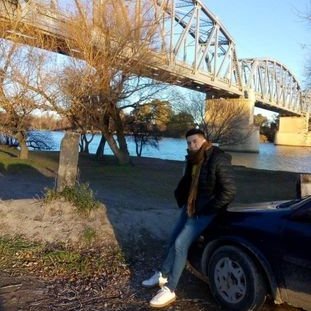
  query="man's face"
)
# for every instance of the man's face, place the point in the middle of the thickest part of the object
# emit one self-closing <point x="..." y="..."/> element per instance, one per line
<point x="195" y="142"/>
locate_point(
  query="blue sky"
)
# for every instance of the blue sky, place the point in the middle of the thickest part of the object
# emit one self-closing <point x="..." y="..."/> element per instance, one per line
<point x="268" y="28"/>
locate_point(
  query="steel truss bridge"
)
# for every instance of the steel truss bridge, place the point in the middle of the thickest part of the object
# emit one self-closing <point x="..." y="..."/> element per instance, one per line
<point x="196" y="48"/>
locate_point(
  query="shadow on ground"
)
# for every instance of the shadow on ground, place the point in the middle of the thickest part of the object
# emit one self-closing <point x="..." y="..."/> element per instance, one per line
<point x="21" y="181"/>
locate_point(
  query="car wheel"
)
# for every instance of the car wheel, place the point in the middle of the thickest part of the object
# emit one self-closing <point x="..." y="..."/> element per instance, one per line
<point x="235" y="281"/>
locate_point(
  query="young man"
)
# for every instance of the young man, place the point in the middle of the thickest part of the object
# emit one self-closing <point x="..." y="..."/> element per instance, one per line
<point x="206" y="188"/>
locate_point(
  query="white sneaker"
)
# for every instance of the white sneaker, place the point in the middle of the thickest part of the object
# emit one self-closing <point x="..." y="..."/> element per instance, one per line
<point x="163" y="298"/>
<point x="156" y="280"/>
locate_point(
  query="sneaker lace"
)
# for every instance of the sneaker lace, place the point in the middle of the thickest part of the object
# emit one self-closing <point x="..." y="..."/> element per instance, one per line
<point x="163" y="290"/>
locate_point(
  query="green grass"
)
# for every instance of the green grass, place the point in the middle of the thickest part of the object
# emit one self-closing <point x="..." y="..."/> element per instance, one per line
<point x="11" y="246"/>
<point x="80" y="195"/>
<point x="122" y="180"/>
<point x="44" y="162"/>
<point x="17" y="253"/>
<point x="48" y="260"/>
<point x="89" y="235"/>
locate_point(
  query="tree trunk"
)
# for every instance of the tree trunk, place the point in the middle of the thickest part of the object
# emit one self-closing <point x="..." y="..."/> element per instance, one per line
<point x="101" y="147"/>
<point x="121" y="153"/>
<point x="122" y="157"/>
<point x="84" y="143"/>
<point x="138" y="145"/>
<point x="23" y="154"/>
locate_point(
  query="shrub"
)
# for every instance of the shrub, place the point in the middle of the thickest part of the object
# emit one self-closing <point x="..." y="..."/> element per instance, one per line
<point x="80" y="195"/>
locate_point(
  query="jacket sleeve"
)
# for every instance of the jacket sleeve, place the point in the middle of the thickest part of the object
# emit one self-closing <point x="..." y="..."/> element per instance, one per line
<point x="225" y="184"/>
<point x="182" y="190"/>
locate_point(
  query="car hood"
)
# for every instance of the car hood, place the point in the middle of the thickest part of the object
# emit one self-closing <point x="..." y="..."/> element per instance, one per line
<point x="249" y="207"/>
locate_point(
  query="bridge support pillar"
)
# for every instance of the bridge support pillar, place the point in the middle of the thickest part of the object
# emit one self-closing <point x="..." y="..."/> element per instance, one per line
<point x="293" y="131"/>
<point x="240" y="113"/>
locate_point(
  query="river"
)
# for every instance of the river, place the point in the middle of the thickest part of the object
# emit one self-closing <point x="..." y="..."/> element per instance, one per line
<point x="270" y="157"/>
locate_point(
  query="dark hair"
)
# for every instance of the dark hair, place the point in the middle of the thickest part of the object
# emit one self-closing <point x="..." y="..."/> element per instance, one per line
<point x="195" y="131"/>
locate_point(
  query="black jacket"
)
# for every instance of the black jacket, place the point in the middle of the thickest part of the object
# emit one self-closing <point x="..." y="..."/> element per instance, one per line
<point x="216" y="188"/>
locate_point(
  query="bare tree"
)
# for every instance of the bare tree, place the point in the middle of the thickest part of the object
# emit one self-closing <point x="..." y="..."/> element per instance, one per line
<point x="143" y="134"/>
<point x="40" y="140"/>
<point x="20" y="70"/>
<point x="305" y="16"/>
<point x="111" y="52"/>
<point x="308" y="67"/>
<point x="24" y="74"/>
<point x="224" y="122"/>
<point x="227" y="122"/>
<point x="114" y="47"/>
<point x="79" y="106"/>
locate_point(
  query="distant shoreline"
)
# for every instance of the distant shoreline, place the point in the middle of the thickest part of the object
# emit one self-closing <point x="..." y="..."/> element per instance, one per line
<point x="287" y="158"/>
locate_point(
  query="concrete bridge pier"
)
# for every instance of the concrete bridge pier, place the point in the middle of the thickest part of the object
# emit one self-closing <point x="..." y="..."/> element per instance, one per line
<point x="246" y="132"/>
<point x="294" y="131"/>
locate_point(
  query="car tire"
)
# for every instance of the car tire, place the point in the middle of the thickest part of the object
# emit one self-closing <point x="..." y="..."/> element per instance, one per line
<point x="235" y="280"/>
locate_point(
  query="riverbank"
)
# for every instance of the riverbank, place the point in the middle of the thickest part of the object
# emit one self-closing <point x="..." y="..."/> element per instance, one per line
<point x="141" y="210"/>
<point x="134" y="195"/>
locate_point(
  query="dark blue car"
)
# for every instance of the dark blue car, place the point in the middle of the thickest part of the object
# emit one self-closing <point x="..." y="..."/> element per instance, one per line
<point x="257" y="250"/>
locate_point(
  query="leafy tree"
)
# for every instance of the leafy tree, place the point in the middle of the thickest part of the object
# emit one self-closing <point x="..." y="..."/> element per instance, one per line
<point x="270" y="129"/>
<point x="260" y="120"/>
<point x="179" y="124"/>
<point x="161" y="113"/>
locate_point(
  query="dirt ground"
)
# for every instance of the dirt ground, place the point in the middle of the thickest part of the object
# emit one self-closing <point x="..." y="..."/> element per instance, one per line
<point x="134" y="215"/>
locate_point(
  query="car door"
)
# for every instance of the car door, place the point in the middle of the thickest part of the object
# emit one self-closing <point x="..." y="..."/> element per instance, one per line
<point x="296" y="264"/>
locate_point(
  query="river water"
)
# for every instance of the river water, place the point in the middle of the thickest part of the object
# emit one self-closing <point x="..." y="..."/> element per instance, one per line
<point x="270" y="157"/>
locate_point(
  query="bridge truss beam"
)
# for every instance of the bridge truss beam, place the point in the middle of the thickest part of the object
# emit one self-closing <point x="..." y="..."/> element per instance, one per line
<point x="275" y="87"/>
<point x="193" y="46"/>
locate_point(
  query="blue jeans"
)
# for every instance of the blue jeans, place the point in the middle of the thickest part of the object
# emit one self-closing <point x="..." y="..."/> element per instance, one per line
<point x="187" y="230"/>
